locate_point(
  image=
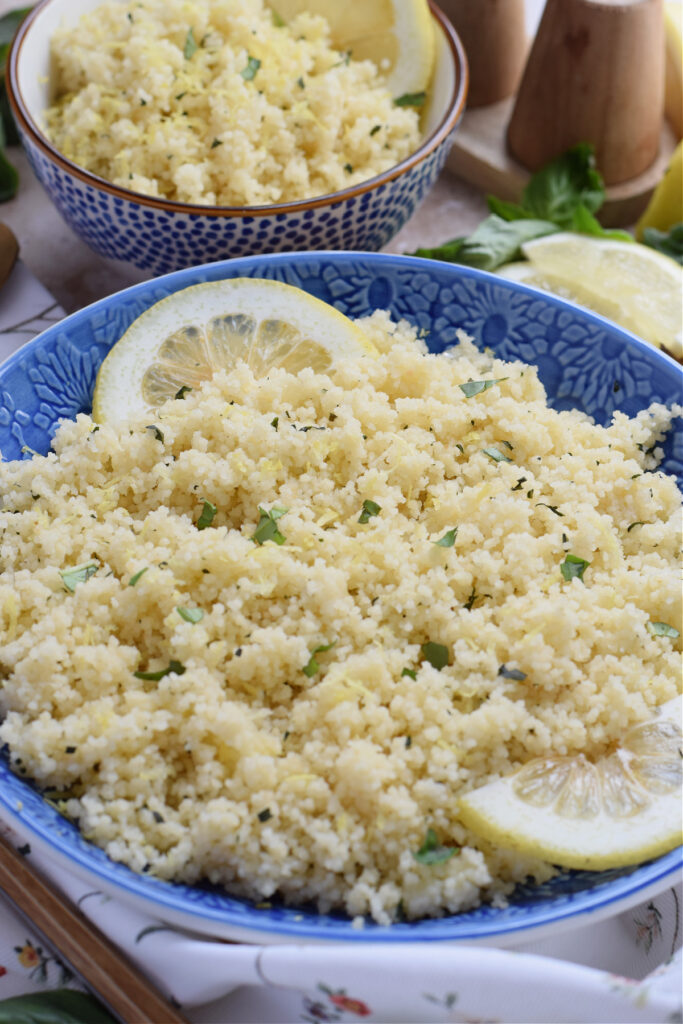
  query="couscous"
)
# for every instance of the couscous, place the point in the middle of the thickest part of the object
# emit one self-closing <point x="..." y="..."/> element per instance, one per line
<point x="219" y="102"/>
<point x="269" y="637"/>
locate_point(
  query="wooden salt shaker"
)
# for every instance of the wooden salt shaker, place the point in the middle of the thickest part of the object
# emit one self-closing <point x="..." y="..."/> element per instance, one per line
<point x="595" y="73"/>
<point x="494" y="37"/>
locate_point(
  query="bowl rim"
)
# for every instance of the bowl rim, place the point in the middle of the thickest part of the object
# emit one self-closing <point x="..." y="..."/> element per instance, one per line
<point x="447" y="124"/>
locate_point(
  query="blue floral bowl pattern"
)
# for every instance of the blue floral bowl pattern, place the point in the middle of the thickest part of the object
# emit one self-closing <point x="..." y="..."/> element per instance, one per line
<point x="159" y="235"/>
<point x="584" y="361"/>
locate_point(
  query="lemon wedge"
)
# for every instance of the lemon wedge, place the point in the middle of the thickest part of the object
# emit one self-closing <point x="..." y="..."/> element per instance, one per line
<point x="666" y="204"/>
<point x="644" y="287"/>
<point x="623" y="809"/>
<point x="397" y="35"/>
<point x="182" y="340"/>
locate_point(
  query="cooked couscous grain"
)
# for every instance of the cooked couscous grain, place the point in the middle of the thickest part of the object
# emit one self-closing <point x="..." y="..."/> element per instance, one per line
<point x="271" y="641"/>
<point x="218" y="102"/>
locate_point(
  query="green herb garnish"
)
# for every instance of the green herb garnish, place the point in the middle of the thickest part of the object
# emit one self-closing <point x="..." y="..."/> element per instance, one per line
<point x="668" y="242"/>
<point x="191" y="46"/>
<point x="78" y="574"/>
<point x="176" y="667"/>
<point x="633" y="525"/>
<point x="208" y="512"/>
<point x="432" y="852"/>
<point x="312" y="667"/>
<point x="435" y="654"/>
<point x="375" y="129"/>
<point x="662" y="629"/>
<point x="181" y="392"/>
<point x="190" y="614"/>
<point x="411" y="673"/>
<point x="157" y="433"/>
<point x="300" y="82"/>
<point x="265" y="814"/>
<point x="136" y="576"/>
<point x="511" y="673"/>
<point x="411" y="99"/>
<point x="58" y="1006"/>
<point x="553" y="508"/>
<point x="249" y="72"/>
<point x="573" y="567"/>
<point x="370" y="508"/>
<point x="216" y="142"/>
<point x="448" y="539"/>
<point x="475" y="387"/>
<point x="277" y="19"/>
<point x="495" y="455"/>
<point x="348" y="168"/>
<point x="267" y="528"/>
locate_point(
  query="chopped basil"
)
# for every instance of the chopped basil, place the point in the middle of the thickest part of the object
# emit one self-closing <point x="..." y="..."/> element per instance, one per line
<point x="275" y="422"/>
<point x="78" y="574"/>
<point x="265" y="814"/>
<point x="208" y="512"/>
<point x="278" y="20"/>
<point x="137" y="576"/>
<point x="216" y="142"/>
<point x="370" y="508"/>
<point x="432" y="852"/>
<point x="573" y="567"/>
<point x="191" y="46"/>
<point x="639" y="523"/>
<point x="409" y="741"/>
<point x="553" y="508"/>
<point x="411" y="99"/>
<point x="518" y="485"/>
<point x="475" y="387"/>
<point x="190" y="614"/>
<point x="173" y="666"/>
<point x="312" y="667"/>
<point x="458" y="446"/>
<point x="267" y="528"/>
<point x="511" y="673"/>
<point x="249" y="72"/>
<point x="300" y="82"/>
<point x="448" y="539"/>
<point x="375" y="129"/>
<point x="157" y="433"/>
<point x="496" y="455"/>
<point x="181" y="392"/>
<point x="409" y="672"/>
<point x="662" y="629"/>
<point x="435" y="654"/>
<point x="180" y="96"/>
<point x="143" y="103"/>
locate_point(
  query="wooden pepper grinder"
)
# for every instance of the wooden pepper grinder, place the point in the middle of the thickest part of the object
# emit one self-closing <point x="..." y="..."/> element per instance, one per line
<point x="494" y="36"/>
<point x="595" y="73"/>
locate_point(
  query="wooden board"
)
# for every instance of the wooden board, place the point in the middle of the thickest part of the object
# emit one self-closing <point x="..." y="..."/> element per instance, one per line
<point x="480" y="156"/>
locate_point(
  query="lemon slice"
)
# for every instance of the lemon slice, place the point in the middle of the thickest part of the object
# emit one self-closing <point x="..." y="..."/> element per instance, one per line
<point x="398" y="35"/>
<point x="183" y="339"/>
<point x="528" y="274"/>
<point x="623" y="809"/>
<point x="646" y="286"/>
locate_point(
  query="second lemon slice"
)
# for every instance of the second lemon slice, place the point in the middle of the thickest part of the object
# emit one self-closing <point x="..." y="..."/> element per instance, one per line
<point x="622" y="809"/>
<point x="183" y="339"/>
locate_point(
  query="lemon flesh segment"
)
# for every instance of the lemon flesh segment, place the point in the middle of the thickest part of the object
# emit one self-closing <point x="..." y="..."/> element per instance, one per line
<point x="623" y="809"/>
<point x="646" y="286"/>
<point x="397" y="35"/>
<point x="184" y="339"/>
<point x="527" y="273"/>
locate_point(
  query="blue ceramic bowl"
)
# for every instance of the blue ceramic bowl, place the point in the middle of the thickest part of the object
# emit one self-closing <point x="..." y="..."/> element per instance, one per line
<point x="160" y="235"/>
<point x="585" y="363"/>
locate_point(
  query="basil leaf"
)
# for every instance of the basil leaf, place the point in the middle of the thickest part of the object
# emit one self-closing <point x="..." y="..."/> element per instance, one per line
<point x="78" y="574"/>
<point x="493" y="243"/>
<point x="157" y="433"/>
<point x="191" y="46"/>
<point x="249" y="72"/>
<point x="9" y="23"/>
<point x="670" y="242"/>
<point x="59" y="1006"/>
<point x="173" y="666"/>
<point x="448" y="539"/>
<point x="432" y="852"/>
<point x="511" y="673"/>
<point x="190" y="614"/>
<point x="435" y="654"/>
<point x="409" y="672"/>
<point x="267" y="528"/>
<point x="136" y="576"/>
<point x="496" y="455"/>
<point x="662" y="629"/>
<point x="370" y="508"/>
<point x="312" y="667"/>
<point x="411" y="99"/>
<point x="571" y="180"/>
<point x="584" y="222"/>
<point x="573" y="567"/>
<point x="208" y="512"/>
<point x="475" y="387"/>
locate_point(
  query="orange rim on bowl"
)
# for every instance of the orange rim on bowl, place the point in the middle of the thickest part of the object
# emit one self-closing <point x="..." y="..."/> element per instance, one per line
<point x="449" y="121"/>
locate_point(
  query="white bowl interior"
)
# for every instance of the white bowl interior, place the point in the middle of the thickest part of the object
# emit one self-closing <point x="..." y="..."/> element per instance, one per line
<point x="34" y="79"/>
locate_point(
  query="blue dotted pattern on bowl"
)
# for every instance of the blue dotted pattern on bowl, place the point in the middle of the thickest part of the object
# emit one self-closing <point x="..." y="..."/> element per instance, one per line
<point x="161" y="240"/>
<point x="584" y="362"/>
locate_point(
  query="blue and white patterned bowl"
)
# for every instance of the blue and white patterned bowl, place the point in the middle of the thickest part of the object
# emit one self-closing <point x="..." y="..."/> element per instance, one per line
<point x="160" y="235"/>
<point x="585" y="362"/>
